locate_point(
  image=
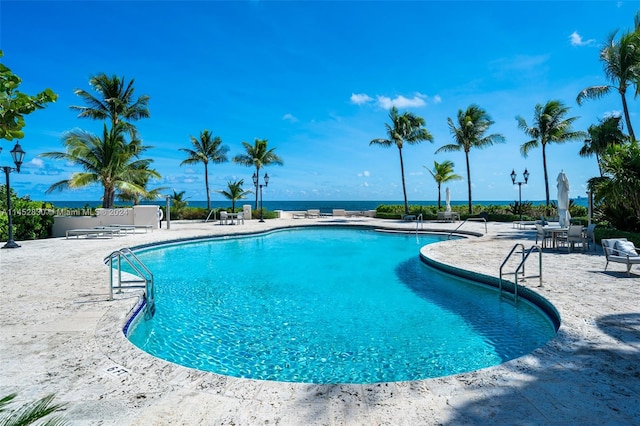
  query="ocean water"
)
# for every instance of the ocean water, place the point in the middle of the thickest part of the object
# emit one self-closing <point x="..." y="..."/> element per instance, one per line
<point x="324" y="206"/>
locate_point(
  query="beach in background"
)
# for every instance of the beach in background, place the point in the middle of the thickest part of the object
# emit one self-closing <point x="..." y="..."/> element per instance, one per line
<point x="323" y="206"/>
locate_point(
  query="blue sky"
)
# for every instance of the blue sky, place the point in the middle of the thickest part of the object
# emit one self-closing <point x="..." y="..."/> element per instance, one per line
<point x="317" y="80"/>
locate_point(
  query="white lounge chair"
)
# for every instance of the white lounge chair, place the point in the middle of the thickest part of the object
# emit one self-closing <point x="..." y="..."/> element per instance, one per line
<point x="313" y="213"/>
<point x="619" y="250"/>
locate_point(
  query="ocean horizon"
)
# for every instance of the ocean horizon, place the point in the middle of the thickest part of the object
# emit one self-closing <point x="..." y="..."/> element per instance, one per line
<point x="323" y="206"/>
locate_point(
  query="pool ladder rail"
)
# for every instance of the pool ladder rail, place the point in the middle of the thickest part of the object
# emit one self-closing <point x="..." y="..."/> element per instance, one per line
<point x="519" y="272"/>
<point x="143" y="277"/>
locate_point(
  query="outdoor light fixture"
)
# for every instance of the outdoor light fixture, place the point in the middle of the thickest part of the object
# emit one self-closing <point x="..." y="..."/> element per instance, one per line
<point x="17" y="154"/>
<point x="526" y="179"/>
<point x="256" y="178"/>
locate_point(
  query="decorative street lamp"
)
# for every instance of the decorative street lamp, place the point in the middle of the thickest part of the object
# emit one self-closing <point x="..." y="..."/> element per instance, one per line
<point x="17" y="154"/>
<point x="256" y="178"/>
<point x="513" y="179"/>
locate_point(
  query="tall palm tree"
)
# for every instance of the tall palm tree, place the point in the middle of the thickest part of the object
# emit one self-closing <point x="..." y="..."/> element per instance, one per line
<point x="148" y="194"/>
<point x="443" y="172"/>
<point x="206" y="149"/>
<point x="621" y="61"/>
<point x="405" y="127"/>
<point x="109" y="160"/>
<point x="470" y="132"/>
<point x="115" y="102"/>
<point x="234" y="192"/>
<point x="607" y="132"/>
<point x="549" y="126"/>
<point x="257" y="155"/>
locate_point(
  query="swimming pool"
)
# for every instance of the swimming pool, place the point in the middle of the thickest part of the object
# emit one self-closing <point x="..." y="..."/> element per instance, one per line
<point x="329" y="305"/>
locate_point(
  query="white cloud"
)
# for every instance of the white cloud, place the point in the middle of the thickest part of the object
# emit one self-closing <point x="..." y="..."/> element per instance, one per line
<point x="35" y="163"/>
<point x="290" y="117"/>
<point x="400" y="101"/>
<point x="576" y="40"/>
<point x="366" y="173"/>
<point x="437" y="99"/>
<point x="360" y="98"/>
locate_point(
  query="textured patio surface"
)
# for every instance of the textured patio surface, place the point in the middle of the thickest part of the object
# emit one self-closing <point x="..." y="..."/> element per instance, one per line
<point x="61" y="334"/>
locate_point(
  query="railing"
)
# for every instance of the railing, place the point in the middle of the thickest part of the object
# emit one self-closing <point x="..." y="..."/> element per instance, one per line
<point x="209" y="215"/>
<point x="478" y="219"/>
<point x="144" y="277"/>
<point x="520" y="270"/>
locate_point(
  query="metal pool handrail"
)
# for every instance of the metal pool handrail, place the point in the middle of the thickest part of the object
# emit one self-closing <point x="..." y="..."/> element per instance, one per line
<point x="470" y="219"/>
<point x="143" y="273"/>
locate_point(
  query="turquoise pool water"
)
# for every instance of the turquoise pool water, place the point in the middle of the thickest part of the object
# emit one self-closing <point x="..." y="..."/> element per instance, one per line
<point x="327" y="306"/>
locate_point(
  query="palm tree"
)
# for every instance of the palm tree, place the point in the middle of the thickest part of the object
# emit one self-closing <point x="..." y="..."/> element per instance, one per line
<point x="178" y="202"/>
<point x="403" y="128"/>
<point x="621" y="61"/>
<point x="258" y="156"/>
<point x="607" y="132"/>
<point x="115" y="102"/>
<point x="443" y="172"/>
<point x="31" y="413"/>
<point x="206" y="149"/>
<point x="149" y="194"/>
<point x="472" y="125"/>
<point x="235" y="192"/>
<point x="108" y="160"/>
<point x="549" y="126"/>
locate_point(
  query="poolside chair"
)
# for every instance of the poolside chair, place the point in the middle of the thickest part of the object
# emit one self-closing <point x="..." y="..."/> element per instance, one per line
<point x="590" y="237"/>
<point x="619" y="250"/>
<point x="223" y="217"/>
<point x="545" y="237"/>
<point x="572" y="237"/>
<point x="313" y="213"/>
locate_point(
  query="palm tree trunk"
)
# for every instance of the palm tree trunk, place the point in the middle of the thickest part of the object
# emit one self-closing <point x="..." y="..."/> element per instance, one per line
<point x="626" y="115"/>
<point x="439" y="198"/>
<point x="105" y="198"/>
<point x="404" y="187"/>
<point x="466" y="153"/>
<point x="257" y="185"/>
<point x="206" y="184"/>
<point x="546" y="175"/>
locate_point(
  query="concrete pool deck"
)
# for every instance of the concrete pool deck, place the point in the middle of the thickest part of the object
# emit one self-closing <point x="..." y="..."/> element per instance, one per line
<point x="61" y="334"/>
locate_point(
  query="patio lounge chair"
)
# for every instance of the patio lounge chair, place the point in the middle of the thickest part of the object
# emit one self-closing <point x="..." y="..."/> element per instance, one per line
<point x="313" y="213"/>
<point x="590" y="236"/>
<point x="619" y="250"/>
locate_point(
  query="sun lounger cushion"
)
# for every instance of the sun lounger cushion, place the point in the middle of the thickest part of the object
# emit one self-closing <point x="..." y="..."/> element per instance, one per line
<point x="624" y="248"/>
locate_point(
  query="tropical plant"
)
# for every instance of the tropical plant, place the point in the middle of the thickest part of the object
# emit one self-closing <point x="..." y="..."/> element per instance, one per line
<point x="620" y="186"/>
<point x="549" y="126"/>
<point x="442" y="173"/>
<point x="178" y="203"/>
<point x="206" y="149"/>
<point x="470" y="132"/>
<point x="109" y="160"/>
<point x="14" y="105"/>
<point x="621" y="61"/>
<point x="31" y="413"/>
<point x="607" y="132"/>
<point x="115" y="102"/>
<point x="235" y="192"/>
<point x="257" y="155"/>
<point x="404" y="128"/>
<point x="148" y="194"/>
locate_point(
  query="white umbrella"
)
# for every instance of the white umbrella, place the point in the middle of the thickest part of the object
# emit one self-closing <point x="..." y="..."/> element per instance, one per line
<point x="563" y="200"/>
<point x="448" y="197"/>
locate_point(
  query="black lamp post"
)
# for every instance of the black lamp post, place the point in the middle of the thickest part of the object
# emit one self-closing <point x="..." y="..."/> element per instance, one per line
<point x="17" y="154"/>
<point x="256" y="178"/>
<point x="513" y="179"/>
